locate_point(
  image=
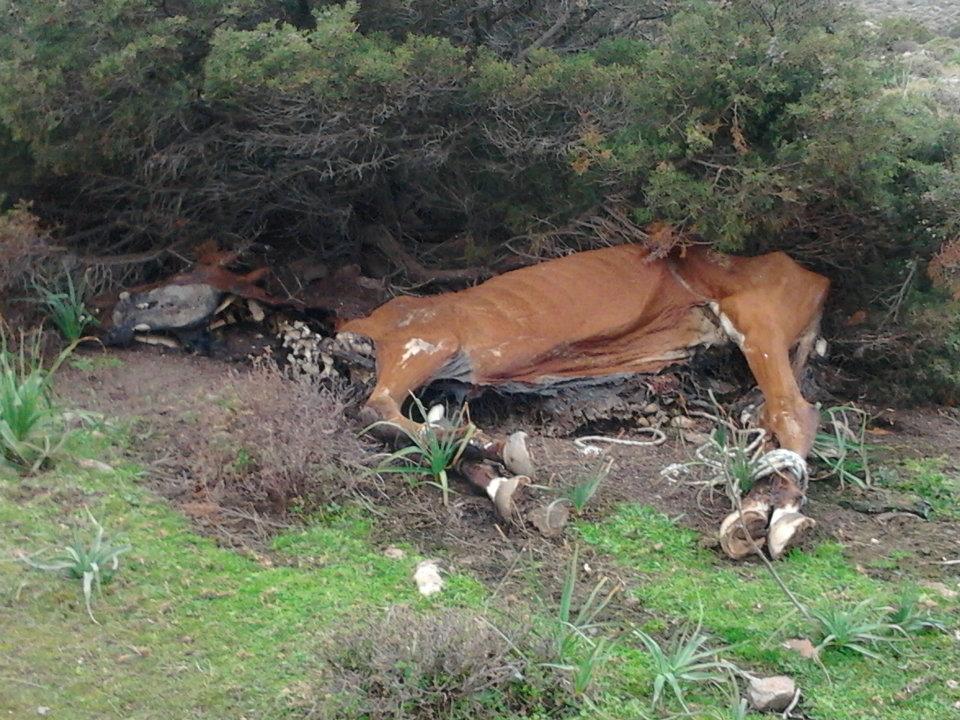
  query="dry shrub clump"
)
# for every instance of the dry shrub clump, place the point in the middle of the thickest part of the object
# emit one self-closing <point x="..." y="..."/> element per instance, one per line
<point x="268" y="444"/>
<point x="944" y="268"/>
<point x="24" y="246"/>
<point x="446" y="664"/>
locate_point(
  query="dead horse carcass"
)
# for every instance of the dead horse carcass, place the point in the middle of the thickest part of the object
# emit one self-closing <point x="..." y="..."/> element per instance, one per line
<point x="607" y="313"/>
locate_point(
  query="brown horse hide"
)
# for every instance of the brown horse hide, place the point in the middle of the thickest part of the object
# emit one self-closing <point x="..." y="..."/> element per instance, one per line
<point x="613" y="312"/>
<point x="604" y="313"/>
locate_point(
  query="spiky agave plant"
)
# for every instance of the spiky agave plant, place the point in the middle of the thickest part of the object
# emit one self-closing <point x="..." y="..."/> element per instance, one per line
<point x="686" y="659"/>
<point x="92" y="562"/>
<point x="843" y="446"/>
<point x="909" y="619"/>
<point x="579" y="652"/>
<point x="580" y="493"/>
<point x="857" y="628"/>
<point x="66" y="309"/>
<point x="433" y="450"/>
<point x="30" y="431"/>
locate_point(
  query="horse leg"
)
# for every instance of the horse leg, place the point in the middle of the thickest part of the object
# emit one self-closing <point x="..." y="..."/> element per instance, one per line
<point x="770" y="512"/>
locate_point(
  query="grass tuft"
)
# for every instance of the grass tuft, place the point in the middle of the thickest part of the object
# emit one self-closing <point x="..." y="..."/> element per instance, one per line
<point x="687" y="659"/>
<point x="856" y="628"/>
<point x="94" y="562"/>
<point x="843" y="448"/>
<point x="66" y="308"/>
<point x="910" y="619"/>
<point x="31" y="431"/>
<point x="579" y="652"/>
<point x="581" y="493"/>
<point x="434" y="450"/>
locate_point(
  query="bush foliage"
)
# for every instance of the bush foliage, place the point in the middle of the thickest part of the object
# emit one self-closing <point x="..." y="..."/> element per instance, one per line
<point x="470" y="131"/>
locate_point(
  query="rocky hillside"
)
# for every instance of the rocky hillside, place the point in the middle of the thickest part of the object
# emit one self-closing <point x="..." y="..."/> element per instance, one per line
<point x="941" y="16"/>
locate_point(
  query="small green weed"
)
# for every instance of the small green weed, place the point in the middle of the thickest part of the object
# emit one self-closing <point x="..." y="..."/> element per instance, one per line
<point x="93" y="562"/>
<point x="857" y="628"/>
<point x="570" y="628"/>
<point x="910" y="619"/>
<point x="582" y="492"/>
<point x="30" y="428"/>
<point x="686" y="660"/>
<point x="573" y="636"/>
<point x="435" y="449"/>
<point x="843" y="448"/>
<point x="66" y="308"/>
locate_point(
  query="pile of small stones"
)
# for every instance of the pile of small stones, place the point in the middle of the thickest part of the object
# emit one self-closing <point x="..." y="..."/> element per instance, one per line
<point x="303" y="350"/>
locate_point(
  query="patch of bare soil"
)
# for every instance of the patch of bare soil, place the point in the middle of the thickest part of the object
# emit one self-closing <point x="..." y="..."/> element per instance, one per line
<point x="175" y="397"/>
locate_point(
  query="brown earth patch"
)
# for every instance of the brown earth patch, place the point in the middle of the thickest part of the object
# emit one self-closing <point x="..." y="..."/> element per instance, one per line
<point x="173" y="397"/>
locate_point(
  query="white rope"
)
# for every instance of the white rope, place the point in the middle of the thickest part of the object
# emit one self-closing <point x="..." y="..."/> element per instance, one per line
<point x="780" y="460"/>
<point x="583" y="443"/>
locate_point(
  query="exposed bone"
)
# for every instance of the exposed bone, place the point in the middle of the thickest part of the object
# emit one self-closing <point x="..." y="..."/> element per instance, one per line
<point x="256" y="311"/>
<point x="516" y="456"/>
<point x="157" y="340"/>
<point x="427" y="577"/>
<point x="436" y="414"/>
<point x="224" y="304"/>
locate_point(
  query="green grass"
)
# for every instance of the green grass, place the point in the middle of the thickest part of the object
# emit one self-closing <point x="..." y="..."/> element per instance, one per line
<point x="192" y="630"/>
<point x="94" y="362"/>
<point x="742" y="606"/>
<point x="932" y="481"/>
<point x="188" y="629"/>
<point x="66" y="308"/>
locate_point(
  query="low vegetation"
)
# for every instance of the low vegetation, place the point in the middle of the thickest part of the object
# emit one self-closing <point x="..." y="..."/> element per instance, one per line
<point x="432" y="451"/>
<point x="66" y="309"/>
<point x="580" y="492"/>
<point x="270" y="445"/>
<point x="92" y="562"/>
<point x="443" y="665"/>
<point x="31" y="427"/>
<point x="686" y="660"/>
<point x="317" y="620"/>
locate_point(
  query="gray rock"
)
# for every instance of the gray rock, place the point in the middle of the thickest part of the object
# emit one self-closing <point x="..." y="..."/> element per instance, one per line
<point x="771" y="694"/>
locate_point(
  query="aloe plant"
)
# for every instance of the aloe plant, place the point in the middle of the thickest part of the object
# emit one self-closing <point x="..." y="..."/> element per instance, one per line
<point x="433" y="450"/>
<point x="93" y="563"/>
<point x="30" y="427"/>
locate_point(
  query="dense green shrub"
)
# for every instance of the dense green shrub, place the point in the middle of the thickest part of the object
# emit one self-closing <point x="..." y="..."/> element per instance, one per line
<point x="756" y="125"/>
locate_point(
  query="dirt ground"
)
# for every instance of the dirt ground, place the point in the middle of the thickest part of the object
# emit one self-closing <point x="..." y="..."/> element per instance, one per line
<point x="159" y="391"/>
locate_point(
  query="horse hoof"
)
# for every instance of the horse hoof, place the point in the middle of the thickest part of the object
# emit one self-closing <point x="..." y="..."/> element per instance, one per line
<point x="744" y="535"/>
<point x="517" y="457"/>
<point x="788" y="531"/>
<point x="503" y="497"/>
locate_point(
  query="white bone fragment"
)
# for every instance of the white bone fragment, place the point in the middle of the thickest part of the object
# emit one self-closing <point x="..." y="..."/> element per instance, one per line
<point x="428" y="578"/>
<point x="256" y="311"/>
<point x="436" y="414"/>
<point x="227" y="302"/>
<point x="157" y="340"/>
